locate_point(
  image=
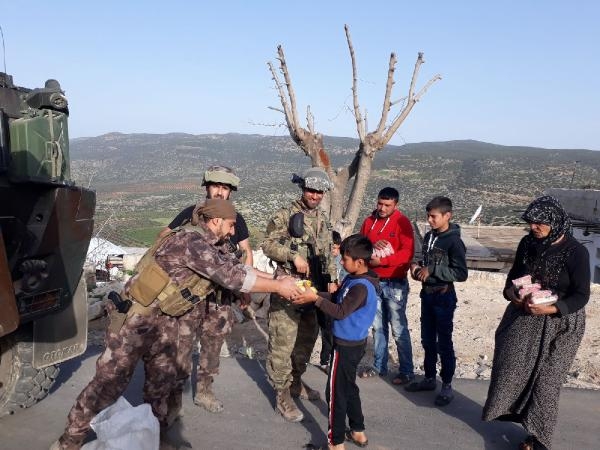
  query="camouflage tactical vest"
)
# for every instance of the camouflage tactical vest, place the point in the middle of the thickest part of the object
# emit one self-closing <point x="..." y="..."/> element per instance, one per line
<point x="316" y="238"/>
<point x="153" y="283"/>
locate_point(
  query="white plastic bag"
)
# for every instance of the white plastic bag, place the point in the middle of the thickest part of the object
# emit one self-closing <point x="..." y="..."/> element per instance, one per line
<point x="124" y="427"/>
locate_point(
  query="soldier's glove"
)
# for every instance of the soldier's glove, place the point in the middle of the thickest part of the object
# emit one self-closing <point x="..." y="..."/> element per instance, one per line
<point x="121" y="305"/>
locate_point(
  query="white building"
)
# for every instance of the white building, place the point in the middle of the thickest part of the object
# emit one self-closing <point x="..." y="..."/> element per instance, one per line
<point x="583" y="206"/>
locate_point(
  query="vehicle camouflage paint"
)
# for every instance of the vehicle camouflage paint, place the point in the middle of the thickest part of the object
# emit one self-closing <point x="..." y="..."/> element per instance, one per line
<point x="46" y="223"/>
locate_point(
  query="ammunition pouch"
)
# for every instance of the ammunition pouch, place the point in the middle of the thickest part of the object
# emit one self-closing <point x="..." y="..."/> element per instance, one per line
<point x="177" y="300"/>
<point x="141" y="310"/>
<point x="116" y="320"/>
<point x="151" y="278"/>
<point x="296" y="225"/>
<point x="118" y="315"/>
<point x="150" y="282"/>
<point x="153" y="283"/>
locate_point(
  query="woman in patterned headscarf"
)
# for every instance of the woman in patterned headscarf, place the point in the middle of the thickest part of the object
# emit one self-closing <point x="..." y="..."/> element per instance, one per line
<point x="536" y="343"/>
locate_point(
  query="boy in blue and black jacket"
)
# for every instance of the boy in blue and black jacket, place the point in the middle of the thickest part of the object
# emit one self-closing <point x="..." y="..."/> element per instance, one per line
<point x="353" y="310"/>
<point x="444" y="262"/>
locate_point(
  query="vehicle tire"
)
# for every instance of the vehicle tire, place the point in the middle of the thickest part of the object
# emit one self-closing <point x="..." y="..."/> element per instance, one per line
<point x="21" y="385"/>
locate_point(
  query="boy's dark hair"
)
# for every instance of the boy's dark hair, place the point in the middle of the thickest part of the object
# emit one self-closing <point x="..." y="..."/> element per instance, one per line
<point x="389" y="193"/>
<point x="357" y="246"/>
<point x="442" y="204"/>
<point x="337" y="237"/>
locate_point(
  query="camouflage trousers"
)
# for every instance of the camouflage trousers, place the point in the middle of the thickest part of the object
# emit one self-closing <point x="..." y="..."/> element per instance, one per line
<point x="292" y="336"/>
<point x="216" y="326"/>
<point x="162" y="342"/>
<point x="187" y="336"/>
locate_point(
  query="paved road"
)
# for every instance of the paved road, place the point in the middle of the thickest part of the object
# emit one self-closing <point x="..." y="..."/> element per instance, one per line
<point x="395" y="419"/>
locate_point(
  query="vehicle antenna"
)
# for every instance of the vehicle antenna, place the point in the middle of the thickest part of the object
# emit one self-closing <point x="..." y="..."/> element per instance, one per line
<point x="3" y="49"/>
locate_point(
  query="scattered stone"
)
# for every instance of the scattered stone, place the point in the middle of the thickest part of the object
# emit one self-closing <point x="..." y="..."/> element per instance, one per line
<point x="96" y="310"/>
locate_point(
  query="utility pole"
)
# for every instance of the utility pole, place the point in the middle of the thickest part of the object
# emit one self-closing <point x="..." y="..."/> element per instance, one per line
<point x="573" y="176"/>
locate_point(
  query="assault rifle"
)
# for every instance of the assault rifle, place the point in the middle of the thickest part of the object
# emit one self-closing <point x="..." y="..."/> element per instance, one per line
<point x="318" y="268"/>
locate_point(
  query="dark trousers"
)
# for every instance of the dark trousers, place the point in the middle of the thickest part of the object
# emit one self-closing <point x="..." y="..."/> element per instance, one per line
<point x="325" y="324"/>
<point x="437" y="315"/>
<point x="342" y="392"/>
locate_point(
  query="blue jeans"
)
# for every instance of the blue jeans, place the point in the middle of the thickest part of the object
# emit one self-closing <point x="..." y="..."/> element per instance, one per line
<point x="437" y="316"/>
<point x="391" y="309"/>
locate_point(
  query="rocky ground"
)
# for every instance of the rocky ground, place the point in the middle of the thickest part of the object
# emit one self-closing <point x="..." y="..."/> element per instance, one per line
<point x="481" y="306"/>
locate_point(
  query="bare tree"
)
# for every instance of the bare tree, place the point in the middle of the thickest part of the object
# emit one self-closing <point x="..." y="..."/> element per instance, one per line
<point x="345" y="214"/>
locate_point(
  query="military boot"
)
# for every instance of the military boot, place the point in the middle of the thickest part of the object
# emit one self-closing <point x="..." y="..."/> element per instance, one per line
<point x="287" y="407"/>
<point x="300" y="389"/>
<point x="174" y="409"/>
<point x="205" y="396"/>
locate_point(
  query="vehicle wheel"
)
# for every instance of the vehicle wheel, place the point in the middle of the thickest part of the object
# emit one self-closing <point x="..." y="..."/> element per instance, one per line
<point x="21" y="385"/>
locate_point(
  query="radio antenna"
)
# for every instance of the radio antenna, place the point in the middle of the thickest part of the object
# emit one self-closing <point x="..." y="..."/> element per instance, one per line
<point x="3" y="49"/>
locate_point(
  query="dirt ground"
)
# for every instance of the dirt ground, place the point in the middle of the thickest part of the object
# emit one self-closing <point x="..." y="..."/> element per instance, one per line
<point x="481" y="306"/>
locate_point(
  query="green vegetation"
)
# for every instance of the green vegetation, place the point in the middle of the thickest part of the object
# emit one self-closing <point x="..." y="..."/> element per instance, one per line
<point x="143" y="180"/>
<point x="144" y="236"/>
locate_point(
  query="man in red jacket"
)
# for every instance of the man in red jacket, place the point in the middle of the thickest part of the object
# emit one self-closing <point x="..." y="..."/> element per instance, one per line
<point x="393" y="247"/>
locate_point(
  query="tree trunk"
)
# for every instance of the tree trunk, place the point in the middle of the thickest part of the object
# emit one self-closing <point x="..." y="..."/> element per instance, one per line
<point x="344" y="215"/>
<point x="357" y="194"/>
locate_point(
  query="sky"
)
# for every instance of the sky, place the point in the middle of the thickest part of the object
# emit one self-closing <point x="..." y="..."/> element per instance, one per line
<point x="513" y="72"/>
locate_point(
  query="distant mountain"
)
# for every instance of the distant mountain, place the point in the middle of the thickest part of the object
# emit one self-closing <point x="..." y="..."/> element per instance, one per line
<point x="154" y="175"/>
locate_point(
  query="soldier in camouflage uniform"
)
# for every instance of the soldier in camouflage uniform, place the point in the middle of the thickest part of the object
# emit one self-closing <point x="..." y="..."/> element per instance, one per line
<point x="162" y="331"/>
<point x="220" y="182"/>
<point x="303" y="252"/>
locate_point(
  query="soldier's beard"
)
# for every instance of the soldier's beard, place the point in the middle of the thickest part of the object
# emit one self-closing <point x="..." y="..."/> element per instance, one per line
<point x="310" y="204"/>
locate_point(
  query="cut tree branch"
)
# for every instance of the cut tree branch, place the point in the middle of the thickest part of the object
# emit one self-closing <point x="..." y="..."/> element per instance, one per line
<point x="424" y="88"/>
<point x="310" y="120"/>
<point x="387" y="104"/>
<point x="277" y="109"/>
<point x="290" y="89"/>
<point x="413" y="80"/>
<point x="360" y="126"/>
<point x="410" y="101"/>
<point x="344" y="213"/>
<point x="284" y="103"/>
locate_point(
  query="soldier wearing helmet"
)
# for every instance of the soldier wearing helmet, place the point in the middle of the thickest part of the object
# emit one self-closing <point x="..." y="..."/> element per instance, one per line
<point x="219" y="182"/>
<point x="299" y="240"/>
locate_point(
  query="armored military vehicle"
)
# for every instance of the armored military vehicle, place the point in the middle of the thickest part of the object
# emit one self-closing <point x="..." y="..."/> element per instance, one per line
<point x="46" y="223"/>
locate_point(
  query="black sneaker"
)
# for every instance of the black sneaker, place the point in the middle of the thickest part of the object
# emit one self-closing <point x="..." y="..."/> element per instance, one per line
<point x="402" y="378"/>
<point x="426" y="384"/>
<point x="445" y="396"/>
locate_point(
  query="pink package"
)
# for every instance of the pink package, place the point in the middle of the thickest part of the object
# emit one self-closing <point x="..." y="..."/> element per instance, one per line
<point x="541" y="294"/>
<point x="548" y="300"/>
<point x="528" y="289"/>
<point x="382" y="253"/>
<point x="520" y="282"/>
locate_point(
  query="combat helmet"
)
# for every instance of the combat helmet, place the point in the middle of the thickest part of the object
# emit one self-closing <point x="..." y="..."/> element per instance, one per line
<point x="314" y="178"/>
<point x="221" y="174"/>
